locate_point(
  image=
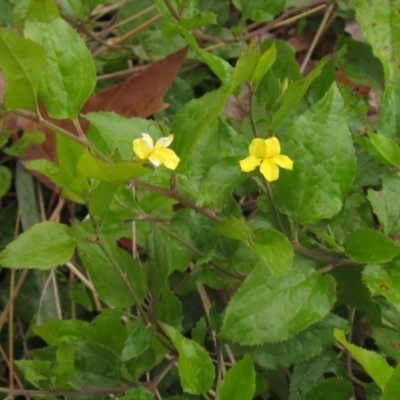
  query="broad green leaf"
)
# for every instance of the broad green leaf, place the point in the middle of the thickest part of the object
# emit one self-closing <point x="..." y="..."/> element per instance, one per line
<point x="47" y="168"/>
<point x="90" y="166"/>
<point x="260" y="10"/>
<point x="195" y="367"/>
<point x="219" y="183"/>
<point x="239" y="383"/>
<point x="138" y="341"/>
<point x="19" y="147"/>
<point x="100" y="199"/>
<point x="274" y="250"/>
<point x="386" y="203"/>
<point x="193" y="119"/>
<point x="245" y="66"/>
<point x="219" y="66"/>
<point x="392" y="388"/>
<point x="264" y="63"/>
<point x="389" y="121"/>
<point x="42" y="11"/>
<point x="369" y="246"/>
<point x="294" y="93"/>
<point x="70" y="77"/>
<point x="299" y="348"/>
<point x="387" y="339"/>
<point x="43" y="246"/>
<point x="36" y="371"/>
<point x="139" y="393"/>
<point x="331" y="389"/>
<point x="5" y="180"/>
<point x="234" y="228"/>
<point x="263" y="310"/>
<point x="384" y="280"/>
<point x="22" y="62"/>
<point x="373" y="363"/>
<point x="321" y="147"/>
<point x="386" y="147"/>
<point x="119" y="132"/>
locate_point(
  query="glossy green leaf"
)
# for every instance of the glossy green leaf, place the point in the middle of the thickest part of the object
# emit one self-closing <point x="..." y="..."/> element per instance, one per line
<point x="195" y="367"/>
<point x="234" y="228"/>
<point x="139" y="340"/>
<point x="92" y="167"/>
<point x="193" y="119"/>
<point x="294" y="93"/>
<point x="264" y="63"/>
<point x="139" y="393"/>
<point x="29" y="138"/>
<point x="384" y="280"/>
<point x="22" y="62"/>
<point x="392" y="388"/>
<point x="5" y="180"/>
<point x="219" y="183"/>
<point x="263" y="310"/>
<point x="43" y="246"/>
<point x="274" y="250"/>
<point x="260" y="10"/>
<point x="386" y="203"/>
<point x="373" y="363"/>
<point x="331" y="389"/>
<point x="69" y="77"/>
<point x="386" y="147"/>
<point x="321" y="147"/>
<point x="370" y="246"/>
<point x="239" y="383"/>
<point x="299" y="348"/>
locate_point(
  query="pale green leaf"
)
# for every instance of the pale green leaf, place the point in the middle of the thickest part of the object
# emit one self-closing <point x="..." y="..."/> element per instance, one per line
<point x="268" y="309"/>
<point x="43" y="246"/>
<point x="22" y="62"/>
<point x="386" y="147"/>
<point x="239" y="383"/>
<point x="373" y="363"/>
<point x="321" y="147"/>
<point x="195" y="367"/>
<point x="234" y="228"/>
<point x="392" y="388"/>
<point x="264" y="63"/>
<point x="369" y="246"/>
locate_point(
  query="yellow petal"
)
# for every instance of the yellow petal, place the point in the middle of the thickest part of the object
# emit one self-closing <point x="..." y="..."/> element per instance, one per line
<point x="270" y="170"/>
<point x="165" y="141"/>
<point x="273" y="147"/>
<point x="257" y="148"/>
<point x="143" y="147"/>
<point x="284" y="161"/>
<point x="164" y="156"/>
<point x="249" y="163"/>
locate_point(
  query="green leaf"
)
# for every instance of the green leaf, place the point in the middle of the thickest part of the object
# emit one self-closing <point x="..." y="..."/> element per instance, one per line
<point x="331" y="389"/>
<point x="70" y="77"/>
<point x="22" y="62"/>
<point x="392" y="388"/>
<point x="234" y="228"/>
<point x="321" y="147"/>
<point x="263" y="310"/>
<point x="239" y="383"/>
<point x="195" y="367"/>
<point x="139" y="393"/>
<point x="42" y="11"/>
<point x="264" y="64"/>
<point x="245" y="66"/>
<point x="43" y="246"/>
<point x="260" y="10"/>
<point x="294" y="93"/>
<point x="19" y="147"/>
<point x="302" y="347"/>
<point x="384" y="281"/>
<point x="274" y="250"/>
<point x="195" y="117"/>
<point x="90" y="166"/>
<point x="387" y="339"/>
<point x="199" y="331"/>
<point x="385" y="203"/>
<point x="201" y="19"/>
<point x="373" y="363"/>
<point x="36" y="371"/>
<point x="369" y="246"/>
<point x="389" y="121"/>
<point x="5" y="180"/>
<point x="386" y="147"/>
<point x="139" y="340"/>
<point x="219" y="183"/>
<point x="100" y="199"/>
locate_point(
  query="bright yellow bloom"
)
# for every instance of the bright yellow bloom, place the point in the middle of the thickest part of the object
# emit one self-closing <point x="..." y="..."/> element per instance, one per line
<point x="159" y="154"/>
<point x="267" y="155"/>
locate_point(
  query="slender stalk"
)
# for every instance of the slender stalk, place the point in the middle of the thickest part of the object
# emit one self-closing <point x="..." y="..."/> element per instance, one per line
<point x="251" y="110"/>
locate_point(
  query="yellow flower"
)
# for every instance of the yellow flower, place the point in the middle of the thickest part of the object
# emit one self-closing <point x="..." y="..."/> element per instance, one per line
<point x="267" y="155"/>
<point x="159" y="154"/>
